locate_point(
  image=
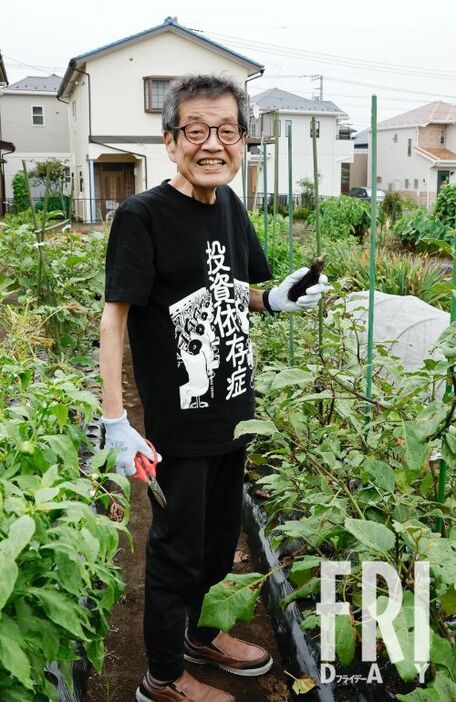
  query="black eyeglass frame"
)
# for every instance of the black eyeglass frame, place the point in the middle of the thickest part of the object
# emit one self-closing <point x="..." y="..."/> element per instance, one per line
<point x="242" y="132"/>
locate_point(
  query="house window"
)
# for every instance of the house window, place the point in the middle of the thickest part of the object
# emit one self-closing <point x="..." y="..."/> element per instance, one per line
<point x="252" y="126"/>
<point x="409" y="147"/>
<point x="442" y="136"/>
<point x="395" y="138"/>
<point x="416" y="183"/>
<point x="37" y="115"/>
<point x="406" y="184"/>
<point x="155" y="89"/>
<point x="317" y="128"/>
<point x="379" y="180"/>
<point x="288" y="124"/>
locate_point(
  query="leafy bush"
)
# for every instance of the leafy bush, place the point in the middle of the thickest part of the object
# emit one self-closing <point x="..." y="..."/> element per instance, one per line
<point x="301" y="213"/>
<point x="307" y="193"/>
<point x="278" y="247"/>
<point x="343" y="217"/>
<point x="21" y="200"/>
<point x="420" y="229"/>
<point x="445" y="206"/>
<point x="351" y="490"/>
<point x="396" y="273"/>
<point x="392" y="205"/>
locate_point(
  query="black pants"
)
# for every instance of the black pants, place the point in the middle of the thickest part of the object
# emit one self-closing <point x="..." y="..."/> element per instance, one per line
<point x="190" y="547"/>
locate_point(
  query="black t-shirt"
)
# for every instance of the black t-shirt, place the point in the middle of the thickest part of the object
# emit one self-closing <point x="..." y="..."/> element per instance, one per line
<point x="185" y="268"/>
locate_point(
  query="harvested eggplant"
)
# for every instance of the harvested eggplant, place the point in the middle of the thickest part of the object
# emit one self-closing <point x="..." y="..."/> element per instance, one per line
<point x="310" y="278"/>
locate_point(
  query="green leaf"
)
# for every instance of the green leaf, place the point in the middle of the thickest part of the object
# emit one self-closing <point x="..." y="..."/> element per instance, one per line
<point x="404" y="626"/>
<point x="311" y="621"/>
<point x="301" y="569"/>
<point x="430" y="420"/>
<point x="100" y="458"/>
<point x="95" y="653"/>
<point x="445" y="688"/>
<point x="448" y="600"/>
<point x="12" y="655"/>
<point x="345" y="639"/>
<point x="61" y="412"/>
<point x="232" y="599"/>
<point x="62" y="446"/>
<point x="19" y="535"/>
<point x="415" y="451"/>
<point x="291" y="376"/>
<point x="443" y="654"/>
<point x="309" y="588"/>
<point x="61" y="610"/>
<point x="376" y="537"/>
<point x="46" y="494"/>
<point x="255" y="426"/>
<point x="380" y="474"/>
<point x="9" y="573"/>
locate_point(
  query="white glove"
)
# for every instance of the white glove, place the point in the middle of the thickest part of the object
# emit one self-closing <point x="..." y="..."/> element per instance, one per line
<point x="278" y="297"/>
<point x="121" y="435"/>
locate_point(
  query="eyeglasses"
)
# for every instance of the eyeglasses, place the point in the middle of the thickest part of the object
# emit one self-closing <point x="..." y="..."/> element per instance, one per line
<point x="198" y="132"/>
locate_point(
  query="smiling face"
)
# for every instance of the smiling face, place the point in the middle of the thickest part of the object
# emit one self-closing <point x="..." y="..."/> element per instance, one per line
<point x="204" y="167"/>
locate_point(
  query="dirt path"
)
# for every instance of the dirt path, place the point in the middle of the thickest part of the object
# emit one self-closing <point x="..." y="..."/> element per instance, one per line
<point x="125" y="661"/>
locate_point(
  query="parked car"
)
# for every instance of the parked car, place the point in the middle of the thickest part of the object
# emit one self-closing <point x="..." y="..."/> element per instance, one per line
<point x="366" y="193"/>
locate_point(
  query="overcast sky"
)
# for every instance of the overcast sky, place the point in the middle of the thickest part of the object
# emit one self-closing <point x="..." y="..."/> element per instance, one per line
<point x="402" y="50"/>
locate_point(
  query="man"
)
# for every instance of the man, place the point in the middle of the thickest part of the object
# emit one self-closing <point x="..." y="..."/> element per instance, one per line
<point x="180" y="260"/>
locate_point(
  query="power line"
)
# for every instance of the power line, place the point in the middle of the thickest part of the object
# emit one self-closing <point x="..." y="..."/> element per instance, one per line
<point x="334" y="59"/>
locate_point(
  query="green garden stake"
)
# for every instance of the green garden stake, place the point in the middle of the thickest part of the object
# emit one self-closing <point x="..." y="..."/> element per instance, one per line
<point x="265" y="199"/>
<point x="290" y="239"/>
<point x="373" y="228"/>
<point x="443" y="468"/>
<point x="276" y="185"/>
<point x="317" y="221"/>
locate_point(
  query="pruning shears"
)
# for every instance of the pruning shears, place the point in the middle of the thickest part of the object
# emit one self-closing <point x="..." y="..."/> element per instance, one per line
<point x="146" y="470"/>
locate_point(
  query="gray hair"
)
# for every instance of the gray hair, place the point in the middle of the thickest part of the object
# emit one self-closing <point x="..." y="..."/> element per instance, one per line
<point x="195" y="86"/>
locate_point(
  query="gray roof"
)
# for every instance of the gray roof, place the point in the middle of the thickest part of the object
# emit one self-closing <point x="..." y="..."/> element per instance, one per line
<point x="362" y="138"/>
<point x="46" y="83"/>
<point x="169" y="24"/>
<point x="276" y="99"/>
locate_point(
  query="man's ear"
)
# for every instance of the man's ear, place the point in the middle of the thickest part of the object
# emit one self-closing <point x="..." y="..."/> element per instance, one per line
<point x="170" y="145"/>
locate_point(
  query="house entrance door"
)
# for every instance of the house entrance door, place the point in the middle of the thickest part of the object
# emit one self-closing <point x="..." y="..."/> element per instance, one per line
<point x="114" y="182"/>
<point x="443" y="178"/>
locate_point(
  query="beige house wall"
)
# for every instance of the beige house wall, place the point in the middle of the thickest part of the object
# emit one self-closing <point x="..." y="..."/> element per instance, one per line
<point x="358" y="170"/>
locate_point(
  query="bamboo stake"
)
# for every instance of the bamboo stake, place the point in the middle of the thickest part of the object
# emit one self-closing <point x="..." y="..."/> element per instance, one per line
<point x="276" y="184"/>
<point x="290" y="239"/>
<point x="317" y="221"/>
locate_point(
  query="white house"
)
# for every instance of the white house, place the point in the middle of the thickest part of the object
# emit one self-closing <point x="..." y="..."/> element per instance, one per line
<point x="333" y="143"/>
<point x="6" y="147"/>
<point x="115" y="95"/>
<point x="36" y="123"/>
<point x="417" y="151"/>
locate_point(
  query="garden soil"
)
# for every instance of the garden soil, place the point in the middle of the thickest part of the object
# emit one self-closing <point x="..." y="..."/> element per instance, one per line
<point x="125" y="661"/>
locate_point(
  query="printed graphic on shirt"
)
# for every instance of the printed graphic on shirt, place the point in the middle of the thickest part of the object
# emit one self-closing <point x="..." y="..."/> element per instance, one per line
<point x="212" y="335"/>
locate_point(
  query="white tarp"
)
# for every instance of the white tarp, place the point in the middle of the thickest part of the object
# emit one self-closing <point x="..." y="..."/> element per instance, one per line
<point x="409" y="326"/>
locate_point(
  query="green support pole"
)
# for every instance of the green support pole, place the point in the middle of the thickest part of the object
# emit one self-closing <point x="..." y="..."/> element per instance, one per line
<point x="265" y="199"/>
<point x="373" y="228"/>
<point x="276" y="185"/>
<point x="243" y="176"/>
<point x="290" y="239"/>
<point x="442" y="464"/>
<point x="317" y="221"/>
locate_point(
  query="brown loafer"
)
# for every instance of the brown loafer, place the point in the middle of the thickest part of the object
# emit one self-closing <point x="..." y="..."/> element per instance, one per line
<point x="185" y="689"/>
<point x="231" y="654"/>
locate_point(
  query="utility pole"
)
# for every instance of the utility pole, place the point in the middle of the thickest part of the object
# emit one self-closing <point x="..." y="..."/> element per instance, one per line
<point x="318" y="76"/>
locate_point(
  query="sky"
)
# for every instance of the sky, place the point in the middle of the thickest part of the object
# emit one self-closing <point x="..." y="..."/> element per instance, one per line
<point x="401" y="50"/>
